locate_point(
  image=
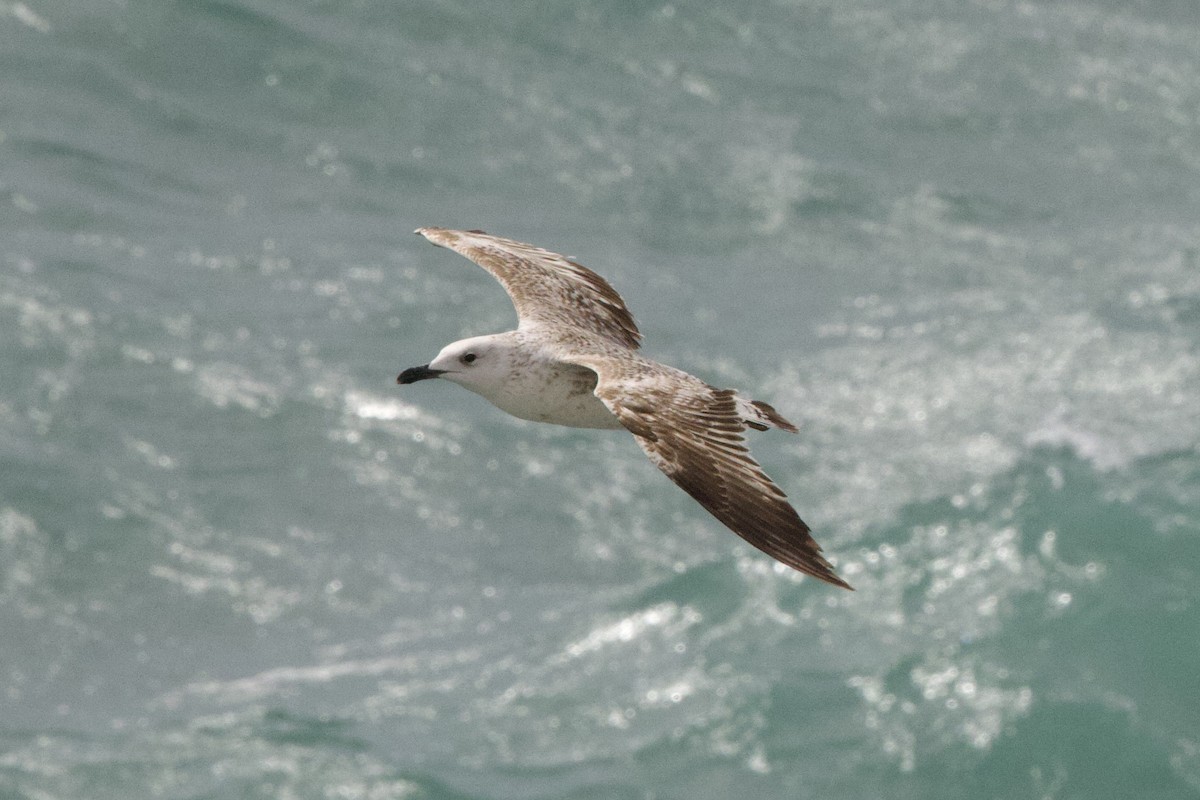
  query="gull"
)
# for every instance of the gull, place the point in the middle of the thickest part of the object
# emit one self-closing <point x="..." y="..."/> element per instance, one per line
<point x="573" y="360"/>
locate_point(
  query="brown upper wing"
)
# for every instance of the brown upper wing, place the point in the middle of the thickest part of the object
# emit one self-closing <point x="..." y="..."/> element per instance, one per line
<point x="546" y="288"/>
<point x="693" y="433"/>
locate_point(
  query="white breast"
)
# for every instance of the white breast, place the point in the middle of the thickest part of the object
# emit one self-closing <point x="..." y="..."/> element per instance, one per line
<point x="560" y="394"/>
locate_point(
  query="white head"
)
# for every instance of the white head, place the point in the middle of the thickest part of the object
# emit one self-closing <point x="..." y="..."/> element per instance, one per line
<point x="481" y="364"/>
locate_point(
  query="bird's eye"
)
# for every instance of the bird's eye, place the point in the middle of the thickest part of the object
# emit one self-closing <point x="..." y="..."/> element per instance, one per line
<point x="469" y="358"/>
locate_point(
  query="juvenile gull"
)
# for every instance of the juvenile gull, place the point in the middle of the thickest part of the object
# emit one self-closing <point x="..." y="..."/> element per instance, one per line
<point x="573" y="361"/>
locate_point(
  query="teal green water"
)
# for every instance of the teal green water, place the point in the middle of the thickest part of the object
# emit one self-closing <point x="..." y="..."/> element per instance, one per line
<point x="959" y="243"/>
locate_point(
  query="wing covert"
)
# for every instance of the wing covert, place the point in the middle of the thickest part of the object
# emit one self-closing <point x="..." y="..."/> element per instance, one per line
<point x="547" y="289"/>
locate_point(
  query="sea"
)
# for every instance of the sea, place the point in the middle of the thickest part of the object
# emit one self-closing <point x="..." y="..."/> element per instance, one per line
<point x="957" y="243"/>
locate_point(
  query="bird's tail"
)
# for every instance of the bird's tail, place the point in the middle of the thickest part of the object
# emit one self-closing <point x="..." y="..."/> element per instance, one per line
<point x="760" y="416"/>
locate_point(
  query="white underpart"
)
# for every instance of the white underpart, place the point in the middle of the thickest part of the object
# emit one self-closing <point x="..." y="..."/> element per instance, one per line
<point x="539" y="387"/>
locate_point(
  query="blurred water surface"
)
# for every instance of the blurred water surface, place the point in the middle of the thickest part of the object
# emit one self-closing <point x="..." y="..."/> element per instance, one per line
<point x="956" y="242"/>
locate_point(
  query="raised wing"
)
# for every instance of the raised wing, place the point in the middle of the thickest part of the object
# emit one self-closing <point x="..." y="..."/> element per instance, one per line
<point x="693" y="433"/>
<point x="546" y="288"/>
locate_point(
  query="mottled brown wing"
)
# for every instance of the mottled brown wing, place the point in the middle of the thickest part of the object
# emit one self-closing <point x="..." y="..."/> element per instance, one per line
<point x="693" y="433"/>
<point x="546" y="288"/>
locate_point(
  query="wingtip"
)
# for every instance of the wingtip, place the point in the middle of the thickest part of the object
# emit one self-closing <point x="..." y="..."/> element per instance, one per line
<point x="827" y="572"/>
<point x="448" y="237"/>
<point x="822" y="570"/>
<point x="435" y="235"/>
<point x="841" y="583"/>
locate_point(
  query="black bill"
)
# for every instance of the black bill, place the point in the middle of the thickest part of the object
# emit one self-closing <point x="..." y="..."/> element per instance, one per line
<point x="414" y="374"/>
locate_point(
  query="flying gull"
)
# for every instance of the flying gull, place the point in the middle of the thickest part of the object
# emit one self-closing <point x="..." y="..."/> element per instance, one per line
<point x="573" y="360"/>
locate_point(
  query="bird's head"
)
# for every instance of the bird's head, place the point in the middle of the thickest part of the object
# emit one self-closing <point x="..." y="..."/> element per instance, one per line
<point x="478" y="364"/>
